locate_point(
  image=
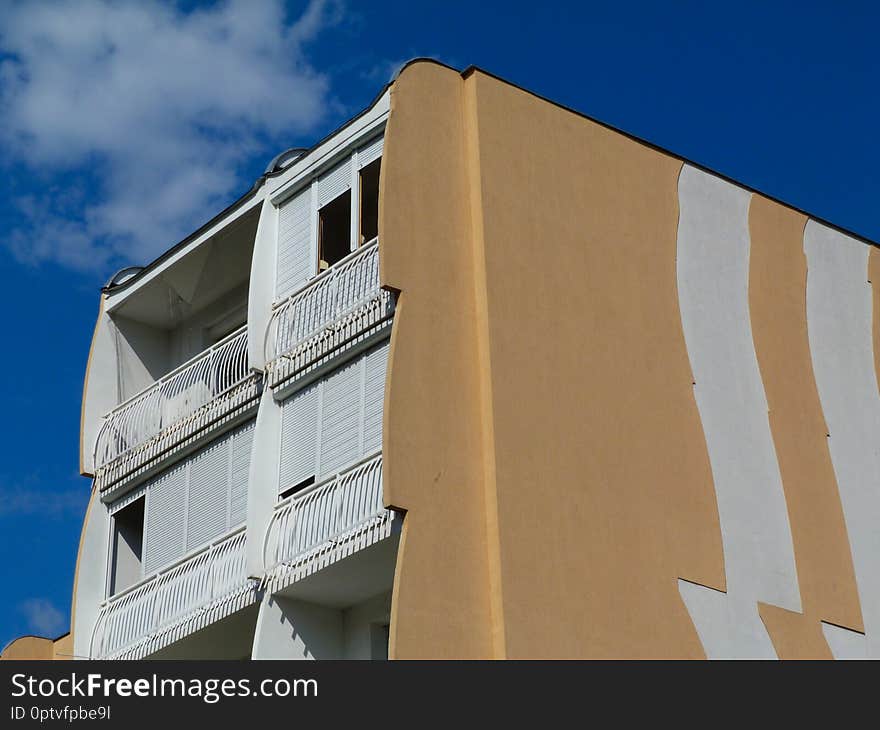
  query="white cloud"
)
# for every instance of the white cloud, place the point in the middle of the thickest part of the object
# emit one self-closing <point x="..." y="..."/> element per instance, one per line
<point x="42" y="617"/>
<point x="148" y="112"/>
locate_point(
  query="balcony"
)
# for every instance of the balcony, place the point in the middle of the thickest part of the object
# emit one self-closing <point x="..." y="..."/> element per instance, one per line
<point x="336" y="308"/>
<point x="199" y="589"/>
<point x="213" y="387"/>
<point x="325" y="523"/>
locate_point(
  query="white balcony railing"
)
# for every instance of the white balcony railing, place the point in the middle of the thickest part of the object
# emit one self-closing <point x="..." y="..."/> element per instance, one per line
<point x="330" y="310"/>
<point x="178" y="405"/>
<point x="202" y="587"/>
<point x="326" y="522"/>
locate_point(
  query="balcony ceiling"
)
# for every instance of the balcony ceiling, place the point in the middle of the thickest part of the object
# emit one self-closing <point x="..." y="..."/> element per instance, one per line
<point x="217" y="267"/>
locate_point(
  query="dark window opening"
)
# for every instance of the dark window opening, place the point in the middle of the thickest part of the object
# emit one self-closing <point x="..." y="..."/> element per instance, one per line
<point x="334" y="230"/>
<point x="370" y="201"/>
<point x="379" y="636"/>
<point x="298" y="487"/>
<point x="128" y="543"/>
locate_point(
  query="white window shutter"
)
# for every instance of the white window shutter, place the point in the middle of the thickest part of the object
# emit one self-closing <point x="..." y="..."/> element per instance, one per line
<point x="334" y="183"/>
<point x="340" y="417"/>
<point x="294" y="265"/>
<point x="299" y="435"/>
<point x="208" y="493"/>
<point x="370" y="151"/>
<point x="166" y="512"/>
<point x="374" y="397"/>
<point x="241" y="464"/>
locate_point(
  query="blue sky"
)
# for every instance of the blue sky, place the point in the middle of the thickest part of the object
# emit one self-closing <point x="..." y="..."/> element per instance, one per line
<point x="124" y="126"/>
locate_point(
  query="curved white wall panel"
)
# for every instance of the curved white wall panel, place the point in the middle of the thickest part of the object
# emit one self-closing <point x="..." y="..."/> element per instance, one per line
<point x="261" y="290"/>
<point x="839" y="318"/>
<point x="713" y="279"/>
<point x="91" y="575"/>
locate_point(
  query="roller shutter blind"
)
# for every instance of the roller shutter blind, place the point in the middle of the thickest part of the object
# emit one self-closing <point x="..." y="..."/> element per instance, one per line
<point x="370" y="152"/>
<point x="208" y="491"/>
<point x="340" y="413"/>
<point x="164" y="534"/>
<point x="294" y="265"/>
<point x="299" y="436"/>
<point x="241" y="464"/>
<point x="376" y="366"/>
<point x="334" y="422"/>
<point x="334" y="183"/>
<point x="199" y="499"/>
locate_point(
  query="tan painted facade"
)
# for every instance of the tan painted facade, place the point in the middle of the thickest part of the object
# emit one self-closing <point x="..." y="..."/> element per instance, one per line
<point x="541" y="432"/>
<point x="38" y="647"/>
<point x="593" y="504"/>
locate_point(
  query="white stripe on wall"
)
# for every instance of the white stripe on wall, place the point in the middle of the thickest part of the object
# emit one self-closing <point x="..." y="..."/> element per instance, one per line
<point x="839" y="316"/>
<point x="713" y="280"/>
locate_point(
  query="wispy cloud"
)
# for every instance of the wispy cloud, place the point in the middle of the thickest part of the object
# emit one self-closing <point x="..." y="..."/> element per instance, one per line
<point x="42" y="617"/>
<point x="143" y="115"/>
<point x="20" y="501"/>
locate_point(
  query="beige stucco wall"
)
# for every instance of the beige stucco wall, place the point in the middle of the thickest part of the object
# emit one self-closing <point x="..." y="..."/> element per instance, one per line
<point x="38" y="647"/>
<point x="570" y="488"/>
<point x="565" y="395"/>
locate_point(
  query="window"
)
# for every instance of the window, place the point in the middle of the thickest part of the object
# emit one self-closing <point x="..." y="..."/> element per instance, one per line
<point x="369" y="199"/>
<point x="334" y="230"/>
<point x="298" y="487"/>
<point x="225" y="325"/>
<point x="128" y="544"/>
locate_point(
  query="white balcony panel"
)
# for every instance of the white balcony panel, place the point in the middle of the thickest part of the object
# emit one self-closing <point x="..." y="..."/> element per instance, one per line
<point x="294" y="244"/>
<point x="201" y="588"/>
<point x="325" y="523"/>
<point x="331" y="312"/>
<point x="180" y="407"/>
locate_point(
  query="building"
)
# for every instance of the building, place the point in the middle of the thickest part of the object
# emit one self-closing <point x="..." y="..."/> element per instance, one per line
<point x="478" y="376"/>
